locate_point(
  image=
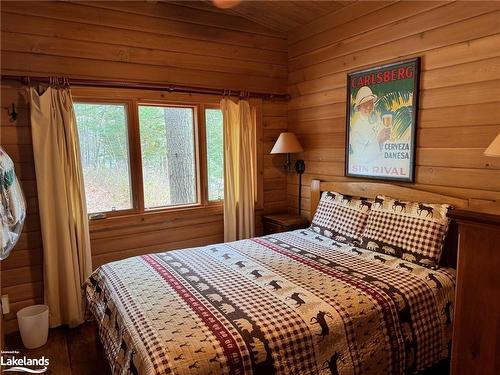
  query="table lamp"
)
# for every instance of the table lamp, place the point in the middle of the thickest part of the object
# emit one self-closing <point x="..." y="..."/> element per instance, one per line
<point x="494" y="148"/>
<point x="288" y="143"/>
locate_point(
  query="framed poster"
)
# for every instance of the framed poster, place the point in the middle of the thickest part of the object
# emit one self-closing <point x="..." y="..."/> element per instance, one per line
<point x="381" y="121"/>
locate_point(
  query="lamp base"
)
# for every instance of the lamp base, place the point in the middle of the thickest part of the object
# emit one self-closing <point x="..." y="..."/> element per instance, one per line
<point x="288" y="164"/>
<point x="300" y="168"/>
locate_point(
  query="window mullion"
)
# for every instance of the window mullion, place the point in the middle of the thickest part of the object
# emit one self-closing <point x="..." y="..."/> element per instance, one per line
<point x="202" y="142"/>
<point x="135" y="156"/>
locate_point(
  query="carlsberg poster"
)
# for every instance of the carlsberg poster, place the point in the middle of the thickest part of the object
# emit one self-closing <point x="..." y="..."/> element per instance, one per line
<point x="381" y="121"/>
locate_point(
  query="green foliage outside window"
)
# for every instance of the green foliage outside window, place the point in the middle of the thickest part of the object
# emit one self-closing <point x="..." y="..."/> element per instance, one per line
<point x="102" y="132"/>
<point x="167" y="143"/>
<point x="215" y="154"/>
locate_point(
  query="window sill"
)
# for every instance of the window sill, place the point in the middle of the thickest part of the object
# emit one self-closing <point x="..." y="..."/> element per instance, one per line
<point x="155" y="216"/>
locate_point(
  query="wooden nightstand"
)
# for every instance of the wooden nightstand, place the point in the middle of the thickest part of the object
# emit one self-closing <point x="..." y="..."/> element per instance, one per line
<point x="475" y="343"/>
<point x="283" y="222"/>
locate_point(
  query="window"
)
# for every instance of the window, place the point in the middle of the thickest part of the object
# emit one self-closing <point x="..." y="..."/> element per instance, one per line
<point x="215" y="153"/>
<point x="168" y="155"/>
<point x="103" y="135"/>
<point x="140" y="156"/>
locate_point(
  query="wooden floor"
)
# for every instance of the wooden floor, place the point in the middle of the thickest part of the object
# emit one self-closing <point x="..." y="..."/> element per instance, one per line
<point x="78" y="352"/>
<point x="70" y="351"/>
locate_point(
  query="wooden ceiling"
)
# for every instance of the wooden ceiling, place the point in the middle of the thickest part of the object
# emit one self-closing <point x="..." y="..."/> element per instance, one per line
<point x="278" y="15"/>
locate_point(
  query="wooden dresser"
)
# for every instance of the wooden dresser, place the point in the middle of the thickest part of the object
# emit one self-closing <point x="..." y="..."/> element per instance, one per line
<point x="476" y="329"/>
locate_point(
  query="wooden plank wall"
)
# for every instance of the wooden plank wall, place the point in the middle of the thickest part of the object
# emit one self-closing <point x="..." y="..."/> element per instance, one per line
<point x="459" y="97"/>
<point x="141" y="42"/>
<point x="152" y="42"/>
<point x="21" y="273"/>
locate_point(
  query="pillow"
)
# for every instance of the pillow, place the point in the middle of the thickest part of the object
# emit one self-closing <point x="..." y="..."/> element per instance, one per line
<point x="341" y="217"/>
<point x="412" y="231"/>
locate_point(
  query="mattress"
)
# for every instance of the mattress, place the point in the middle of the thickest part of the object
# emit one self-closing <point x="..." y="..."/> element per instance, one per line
<point x="288" y="303"/>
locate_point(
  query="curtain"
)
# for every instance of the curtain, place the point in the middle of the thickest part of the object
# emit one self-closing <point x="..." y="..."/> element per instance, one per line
<point x="62" y="206"/>
<point x="239" y="169"/>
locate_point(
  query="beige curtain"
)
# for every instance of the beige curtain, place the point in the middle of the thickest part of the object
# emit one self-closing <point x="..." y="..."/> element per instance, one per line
<point x="61" y="201"/>
<point x="239" y="169"/>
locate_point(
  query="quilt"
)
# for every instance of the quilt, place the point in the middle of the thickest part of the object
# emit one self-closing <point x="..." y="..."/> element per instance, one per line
<point x="287" y="303"/>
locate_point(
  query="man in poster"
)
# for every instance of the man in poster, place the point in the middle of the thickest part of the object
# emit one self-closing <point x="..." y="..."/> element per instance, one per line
<point x="367" y="133"/>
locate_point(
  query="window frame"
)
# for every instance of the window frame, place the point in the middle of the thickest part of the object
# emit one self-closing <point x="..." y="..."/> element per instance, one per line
<point x="135" y="216"/>
<point x="131" y="154"/>
<point x="205" y="155"/>
<point x="197" y="160"/>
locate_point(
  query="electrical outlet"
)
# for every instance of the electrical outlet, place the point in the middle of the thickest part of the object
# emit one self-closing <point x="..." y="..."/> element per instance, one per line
<point x="5" y="304"/>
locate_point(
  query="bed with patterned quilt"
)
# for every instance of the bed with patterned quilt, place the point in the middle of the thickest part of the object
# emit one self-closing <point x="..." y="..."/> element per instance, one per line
<point x="288" y="303"/>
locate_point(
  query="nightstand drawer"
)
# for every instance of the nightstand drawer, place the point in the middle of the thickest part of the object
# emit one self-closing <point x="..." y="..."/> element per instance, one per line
<point x="283" y="223"/>
<point x="270" y="228"/>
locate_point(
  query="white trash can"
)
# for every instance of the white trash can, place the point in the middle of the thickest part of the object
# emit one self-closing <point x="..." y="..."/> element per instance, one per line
<point x="34" y="325"/>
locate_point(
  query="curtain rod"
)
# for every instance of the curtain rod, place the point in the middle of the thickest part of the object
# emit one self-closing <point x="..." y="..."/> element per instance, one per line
<point x="151" y="86"/>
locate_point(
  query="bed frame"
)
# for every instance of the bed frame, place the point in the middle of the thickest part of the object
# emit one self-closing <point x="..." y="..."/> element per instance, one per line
<point x="372" y="189"/>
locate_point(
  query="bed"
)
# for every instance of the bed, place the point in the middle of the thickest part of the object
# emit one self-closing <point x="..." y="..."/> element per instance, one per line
<point x="288" y="303"/>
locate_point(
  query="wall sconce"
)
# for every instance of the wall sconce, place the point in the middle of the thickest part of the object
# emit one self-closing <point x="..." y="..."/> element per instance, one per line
<point x="12" y="113"/>
<point x="288" y="143"/>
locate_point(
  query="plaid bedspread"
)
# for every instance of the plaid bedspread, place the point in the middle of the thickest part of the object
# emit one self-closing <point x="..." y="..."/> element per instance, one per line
<point x="289" y="303"/>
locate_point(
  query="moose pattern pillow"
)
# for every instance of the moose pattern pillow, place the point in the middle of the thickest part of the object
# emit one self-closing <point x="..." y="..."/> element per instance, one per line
<point x="341" y="217"/>
<point x="412" y="231"/>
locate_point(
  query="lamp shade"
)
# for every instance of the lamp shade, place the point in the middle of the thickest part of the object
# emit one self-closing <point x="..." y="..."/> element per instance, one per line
<point x="494" y="148"/>
<point x="287" y="143"/>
